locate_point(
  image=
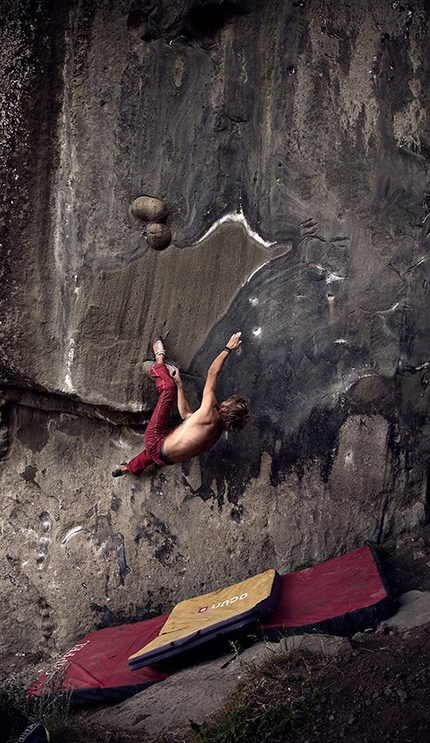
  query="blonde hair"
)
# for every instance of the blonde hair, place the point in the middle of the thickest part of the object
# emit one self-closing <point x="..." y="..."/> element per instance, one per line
<point x="237" y="415"/>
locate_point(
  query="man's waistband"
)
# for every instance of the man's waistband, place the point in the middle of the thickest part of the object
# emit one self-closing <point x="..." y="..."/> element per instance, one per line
<point x="163" y="457"/>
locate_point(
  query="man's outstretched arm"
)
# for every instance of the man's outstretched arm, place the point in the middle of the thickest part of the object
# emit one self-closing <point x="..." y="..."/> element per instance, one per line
<point x="218" y="363"/>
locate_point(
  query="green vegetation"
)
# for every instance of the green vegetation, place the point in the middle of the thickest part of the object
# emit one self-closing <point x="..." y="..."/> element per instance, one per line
<point x="14" y="709"/>
<point x="267" y="706"/>
<point x="302" y="566"/>
<point x="52" y="709"/>
<point x="383" y="550"/>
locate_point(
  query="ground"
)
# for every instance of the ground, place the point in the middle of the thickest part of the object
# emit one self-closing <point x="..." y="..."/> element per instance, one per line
<point x="378" y="693"/>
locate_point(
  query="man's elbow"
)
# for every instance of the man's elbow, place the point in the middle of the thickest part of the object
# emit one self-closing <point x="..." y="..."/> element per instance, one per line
<point x="212" y="375"/>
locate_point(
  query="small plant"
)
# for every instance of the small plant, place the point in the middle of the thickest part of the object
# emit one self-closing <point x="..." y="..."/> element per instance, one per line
<point x="266" y="706"/>
<point x="14" y="708"/>
<point x="52" y="706"/>
<point x="51" y="709"/>
<point x="303" y="566"/>
<point x="383" y="550"/>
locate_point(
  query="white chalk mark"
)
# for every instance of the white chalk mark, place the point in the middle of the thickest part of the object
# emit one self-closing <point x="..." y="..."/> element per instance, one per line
<point x="332" y="277"/>
<point x="71" y="533"/>
<point x="237" y="217"/>
<point x="349" y="459"/>
<point x="393" y="308"/>
<point x="255" y="271"/>
<point x="69" y="364"/>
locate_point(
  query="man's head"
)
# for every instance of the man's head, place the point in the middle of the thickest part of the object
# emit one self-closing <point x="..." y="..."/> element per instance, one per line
<point x="234" y="413"/>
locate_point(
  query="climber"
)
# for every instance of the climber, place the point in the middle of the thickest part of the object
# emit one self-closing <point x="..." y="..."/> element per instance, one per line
<point x="199" y="430"/>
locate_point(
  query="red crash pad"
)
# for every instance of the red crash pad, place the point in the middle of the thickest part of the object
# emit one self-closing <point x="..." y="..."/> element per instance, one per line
<point x="338" y="596"/>
<point x="342" y="595"/>
<point x="96" y="668"/>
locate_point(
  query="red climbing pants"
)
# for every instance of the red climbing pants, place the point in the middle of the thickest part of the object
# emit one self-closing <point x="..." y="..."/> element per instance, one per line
<point x="158" y="427"/>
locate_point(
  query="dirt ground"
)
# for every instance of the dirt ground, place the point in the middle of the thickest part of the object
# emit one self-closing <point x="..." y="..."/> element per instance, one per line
<point x="378" y="693"/>
<point x="381" y="692"/>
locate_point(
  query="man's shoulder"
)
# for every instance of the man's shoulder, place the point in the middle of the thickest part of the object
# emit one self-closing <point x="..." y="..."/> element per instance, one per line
<point x="205" y="414"/>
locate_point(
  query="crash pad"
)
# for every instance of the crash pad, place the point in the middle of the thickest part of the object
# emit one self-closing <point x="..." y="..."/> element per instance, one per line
<point x="203" y="618"/>
<point x="95" y="670"/>
<point x="338" y="596"/>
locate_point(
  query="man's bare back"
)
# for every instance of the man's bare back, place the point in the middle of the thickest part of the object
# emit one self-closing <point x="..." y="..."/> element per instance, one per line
<point x="195" y="435"/>
<point x="202" y="429"/>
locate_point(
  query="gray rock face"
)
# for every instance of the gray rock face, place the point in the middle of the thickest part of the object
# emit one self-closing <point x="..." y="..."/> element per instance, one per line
<point x="284" y="148"/>
<point x="199" y="692"/>
<point x="414" y="611"/>
<point x="328" y="645"/>
<point x="193" y="693"/>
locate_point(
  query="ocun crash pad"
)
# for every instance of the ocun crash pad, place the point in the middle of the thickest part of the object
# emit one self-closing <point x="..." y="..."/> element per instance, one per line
<point x="95" y="670"/>
<point x="203" y="618"/>
<point x="336" y="597"/>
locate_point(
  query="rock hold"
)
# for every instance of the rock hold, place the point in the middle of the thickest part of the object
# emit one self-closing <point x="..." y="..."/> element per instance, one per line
<point x="153" y="210"/>
<point x="149" y="208"/>
<point x="158" y="235"/>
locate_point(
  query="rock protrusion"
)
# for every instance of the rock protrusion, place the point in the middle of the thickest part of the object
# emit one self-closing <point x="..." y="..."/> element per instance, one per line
<point x="154" y="212"/>
<point x="149" y="209"/>
<point x="158" y="235"/>
<point x="4" y="430"/>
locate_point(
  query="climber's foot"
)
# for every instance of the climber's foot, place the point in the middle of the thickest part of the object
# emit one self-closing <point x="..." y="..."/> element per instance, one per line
<point x="121" y="470"/>
<point x="158" y="346"/>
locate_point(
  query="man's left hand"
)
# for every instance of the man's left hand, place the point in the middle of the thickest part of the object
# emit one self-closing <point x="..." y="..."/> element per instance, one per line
<point x="234" y="342"/>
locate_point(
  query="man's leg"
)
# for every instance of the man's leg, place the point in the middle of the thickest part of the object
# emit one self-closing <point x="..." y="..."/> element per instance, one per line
<point x="157" y="428"/>
<point x="138" y="463"/>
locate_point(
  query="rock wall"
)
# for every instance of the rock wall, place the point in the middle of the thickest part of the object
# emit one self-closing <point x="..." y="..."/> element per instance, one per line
<point x="286" y="145"/>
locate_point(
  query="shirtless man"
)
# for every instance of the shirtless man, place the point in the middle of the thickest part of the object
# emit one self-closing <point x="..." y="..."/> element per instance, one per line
<point x="200" y="429"/>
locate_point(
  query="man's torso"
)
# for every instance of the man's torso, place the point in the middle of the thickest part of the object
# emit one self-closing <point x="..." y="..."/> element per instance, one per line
<point x="194" y="436"/>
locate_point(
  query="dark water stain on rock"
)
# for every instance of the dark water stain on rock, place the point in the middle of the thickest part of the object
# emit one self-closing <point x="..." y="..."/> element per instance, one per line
<point x="32" y="428"/>
<point x="157" y="534"/>
<point x="29" y="474"/>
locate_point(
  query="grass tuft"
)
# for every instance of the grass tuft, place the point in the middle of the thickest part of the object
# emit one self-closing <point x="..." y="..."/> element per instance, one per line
<point x="51" y="709"/>
<point x="14" y="708"/>
<point x="268" y="705"/>
<point x="383" y="550"/>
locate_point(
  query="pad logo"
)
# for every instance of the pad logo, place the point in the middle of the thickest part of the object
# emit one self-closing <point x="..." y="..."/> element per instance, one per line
<point x="64" y="660"/>
<point x="227" y="602"/>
